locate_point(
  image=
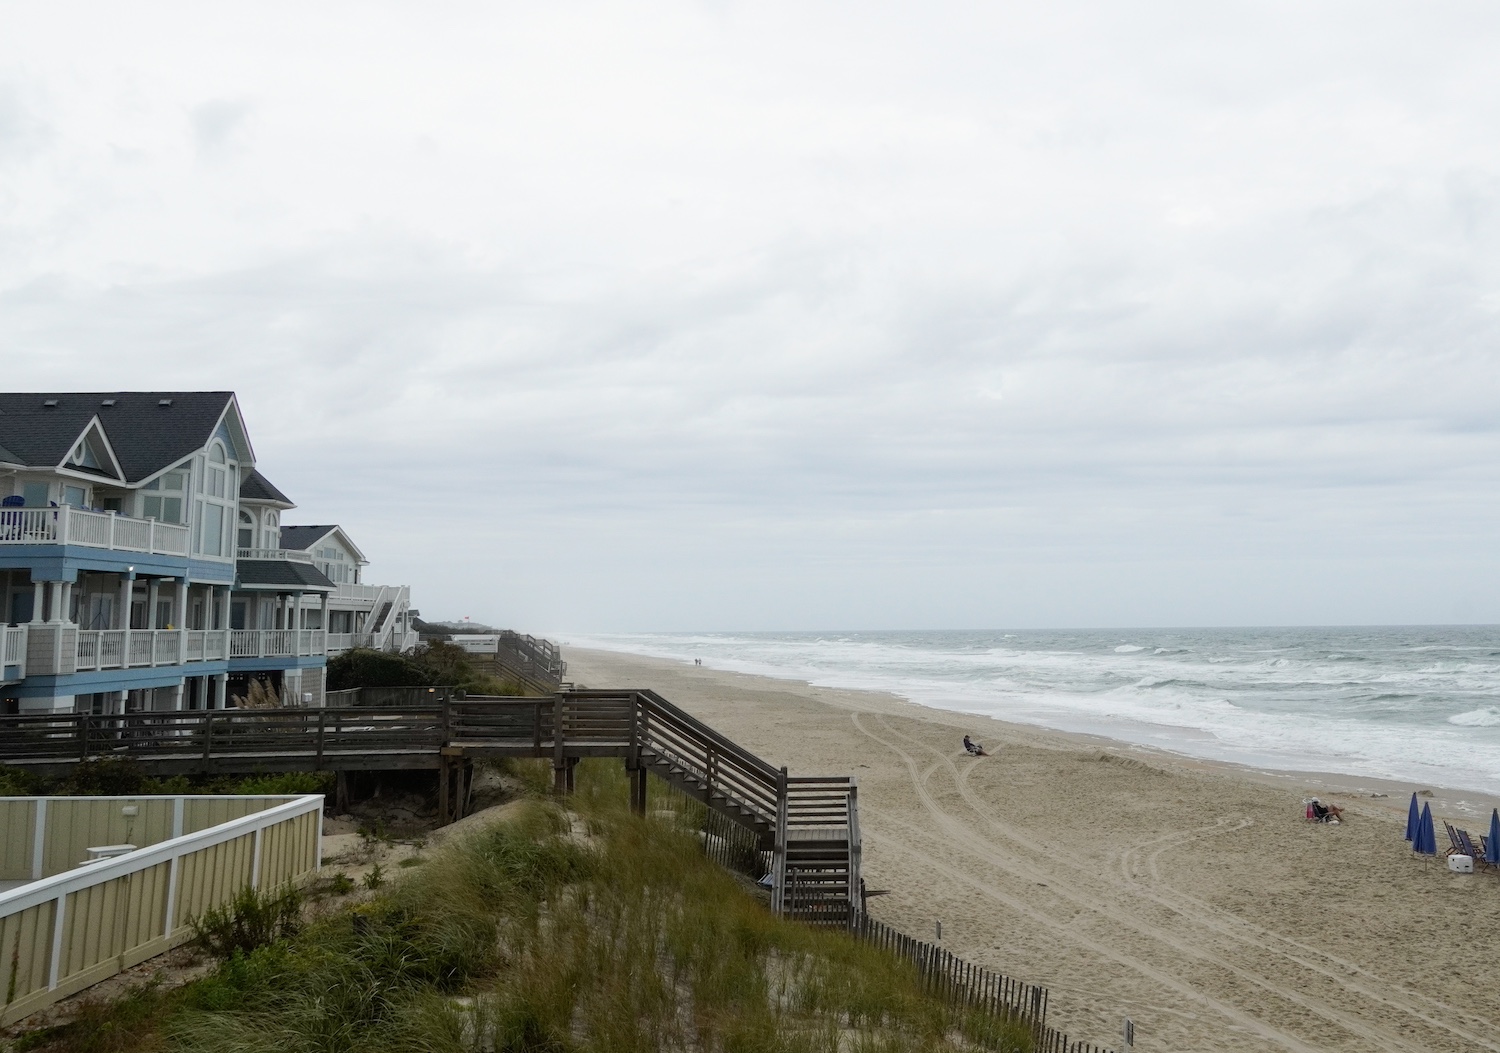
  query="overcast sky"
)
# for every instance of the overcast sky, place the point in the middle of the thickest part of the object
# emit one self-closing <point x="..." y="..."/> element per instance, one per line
<point x="731" y="315"/>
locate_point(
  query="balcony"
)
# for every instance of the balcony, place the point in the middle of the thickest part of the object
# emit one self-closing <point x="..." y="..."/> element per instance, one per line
<point x="349" y="593"/>
<point x="143" y="648"/>
<point x="66" y="525"/>
<point x="12" y="653"/>
<point x="291" y="556"/>
<point x="276" y="643"/>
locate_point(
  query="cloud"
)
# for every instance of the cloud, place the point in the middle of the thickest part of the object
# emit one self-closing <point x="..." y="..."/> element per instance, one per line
<point x="813" y="316"/>
<point x="214" y="124"/>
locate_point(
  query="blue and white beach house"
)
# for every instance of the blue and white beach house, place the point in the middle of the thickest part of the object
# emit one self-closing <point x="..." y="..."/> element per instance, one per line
<point x="144" y="565"/>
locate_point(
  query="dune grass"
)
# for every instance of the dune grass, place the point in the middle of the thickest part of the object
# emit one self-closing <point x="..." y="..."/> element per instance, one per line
<point x="567" y="932"/>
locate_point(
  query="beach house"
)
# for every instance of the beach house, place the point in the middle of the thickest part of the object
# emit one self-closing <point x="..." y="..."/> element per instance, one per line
<point x="142" y="564"/>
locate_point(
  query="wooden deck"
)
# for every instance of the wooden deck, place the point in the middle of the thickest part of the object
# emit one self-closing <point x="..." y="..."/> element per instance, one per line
<point x="808" y="824"/>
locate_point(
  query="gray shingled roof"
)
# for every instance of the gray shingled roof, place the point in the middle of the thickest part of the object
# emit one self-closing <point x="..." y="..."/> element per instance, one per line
<point x="146" y="436"/>
<point x="302" y="538"/>
<point x="281" y="573"/>
<point x="256" y="487"/>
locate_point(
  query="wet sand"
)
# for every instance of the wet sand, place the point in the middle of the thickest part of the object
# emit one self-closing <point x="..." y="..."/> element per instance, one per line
<point x="1188" y="895"/>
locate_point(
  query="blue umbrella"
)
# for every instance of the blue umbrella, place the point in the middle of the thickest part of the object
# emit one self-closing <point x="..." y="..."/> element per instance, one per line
<point x="1412" y="818"/>
<point x="1425" y="842"/>
<point x="1492" y="843"/>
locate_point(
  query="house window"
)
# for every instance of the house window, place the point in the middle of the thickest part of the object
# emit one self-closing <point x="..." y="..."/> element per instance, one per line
<point x="83" y="456"/>
<point x="164" y="497"/>
<point x="214" y="513"/>
<point x="213" y="529"/>
<point x="76" y="496"/>
<point x="246" y="537"/>
<point x="37" y="495"/>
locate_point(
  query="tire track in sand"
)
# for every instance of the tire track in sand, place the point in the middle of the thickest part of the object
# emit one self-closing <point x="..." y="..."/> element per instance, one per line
<point x="969" y="842"/>
<point x="1347" y="974"/>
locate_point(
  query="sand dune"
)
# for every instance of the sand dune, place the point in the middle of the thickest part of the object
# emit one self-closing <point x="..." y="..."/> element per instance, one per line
<point x="1189" y="896"/>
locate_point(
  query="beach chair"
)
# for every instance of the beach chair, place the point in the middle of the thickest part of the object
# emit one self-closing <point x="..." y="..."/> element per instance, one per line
<point x="1474" y="853"/>
<point x="1457" y="848"/>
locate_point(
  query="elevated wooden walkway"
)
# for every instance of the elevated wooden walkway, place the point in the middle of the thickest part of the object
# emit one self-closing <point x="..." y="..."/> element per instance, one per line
<point x="809" y="825"/>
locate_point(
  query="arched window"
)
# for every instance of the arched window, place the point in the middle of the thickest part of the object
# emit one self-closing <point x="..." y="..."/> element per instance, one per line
<point x="272" y="534"/>
<point x="215" y="506"/>
<point x="246" y="537"/>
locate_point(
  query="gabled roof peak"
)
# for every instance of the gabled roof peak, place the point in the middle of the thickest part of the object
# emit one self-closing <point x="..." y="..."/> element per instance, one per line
<point x="148" y="431"/>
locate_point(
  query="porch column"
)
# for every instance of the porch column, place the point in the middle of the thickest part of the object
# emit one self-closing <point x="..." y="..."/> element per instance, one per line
<point x="222" y="690"/>
<point x="177" y="696"/>
<point x="297" y="611"/>
<point x="54" y="597"/>
<point x="127" y="585"/>
<point x="66" y="614"/>
<point x="221" y="607"/>
<point x="38" y="601"/>
<point x="127" y="589"/>
<point x="323" y="619"/>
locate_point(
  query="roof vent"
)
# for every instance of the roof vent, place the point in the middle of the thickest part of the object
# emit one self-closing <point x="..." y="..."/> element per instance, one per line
<point x="49" y="404"/>
<point x="164" y="402"/>
<point x="107" y="402"/>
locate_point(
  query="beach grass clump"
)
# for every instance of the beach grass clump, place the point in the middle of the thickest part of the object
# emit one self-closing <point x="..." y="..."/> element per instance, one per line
<point x="571" y="931"/>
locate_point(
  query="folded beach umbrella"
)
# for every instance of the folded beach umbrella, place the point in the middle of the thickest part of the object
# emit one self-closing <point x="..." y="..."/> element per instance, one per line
<point x="1412" y="818"/>
<point x="1492" y="843"/>
<point x="1426" y="841"/>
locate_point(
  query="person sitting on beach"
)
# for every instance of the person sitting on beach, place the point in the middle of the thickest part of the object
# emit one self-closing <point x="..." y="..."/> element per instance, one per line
<point x="973" y="748"/>
<point x="1325" y="813"/>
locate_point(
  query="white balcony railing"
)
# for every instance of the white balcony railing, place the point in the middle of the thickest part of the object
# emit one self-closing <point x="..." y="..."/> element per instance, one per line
<point x="13" y="650"/>
<point x="76" y="526"/>
<point x="276" y="643"/>
<point x="350" y="593"/>
<point x="290" y="555"/>
<point x="107" y="648"/>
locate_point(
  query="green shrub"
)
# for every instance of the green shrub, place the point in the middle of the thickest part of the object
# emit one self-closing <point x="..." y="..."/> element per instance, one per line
<point x="363" y="667"/>
<point x="374" y="878"/>
<point x="289" y="783"/>
<point x="252" y="919"/>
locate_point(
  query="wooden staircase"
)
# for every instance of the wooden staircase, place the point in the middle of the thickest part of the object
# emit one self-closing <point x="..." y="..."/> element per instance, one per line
<point x="818" y="827"/>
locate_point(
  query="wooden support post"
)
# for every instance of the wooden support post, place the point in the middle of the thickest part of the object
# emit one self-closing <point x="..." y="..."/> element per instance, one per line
<point x="466" y="788"/>
<point x="341" y="792"/>
<point x="638" y="790"/>
<point x="451" y="765"/>
<point x="572" y="770"/>
<point x="561" y="774"/>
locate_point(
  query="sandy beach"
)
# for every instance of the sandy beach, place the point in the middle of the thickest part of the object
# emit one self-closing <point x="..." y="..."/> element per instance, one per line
<point x="1188" y="895"/>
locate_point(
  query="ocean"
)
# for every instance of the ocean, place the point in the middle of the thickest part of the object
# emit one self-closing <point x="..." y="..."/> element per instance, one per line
<point x="1416" y="704"/>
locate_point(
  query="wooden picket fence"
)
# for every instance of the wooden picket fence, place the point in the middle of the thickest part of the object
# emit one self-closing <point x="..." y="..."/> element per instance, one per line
<point x="972" y="985"/>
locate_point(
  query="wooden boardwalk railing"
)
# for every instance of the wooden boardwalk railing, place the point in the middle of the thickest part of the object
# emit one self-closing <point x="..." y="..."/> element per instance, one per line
<point x="804" y="822"/>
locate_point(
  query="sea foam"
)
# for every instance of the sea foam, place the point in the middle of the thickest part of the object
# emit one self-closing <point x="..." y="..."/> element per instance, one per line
<point x="1413" y="704"/>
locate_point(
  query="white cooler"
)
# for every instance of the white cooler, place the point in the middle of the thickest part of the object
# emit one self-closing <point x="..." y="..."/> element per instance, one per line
<point x="1461" y="864"/>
